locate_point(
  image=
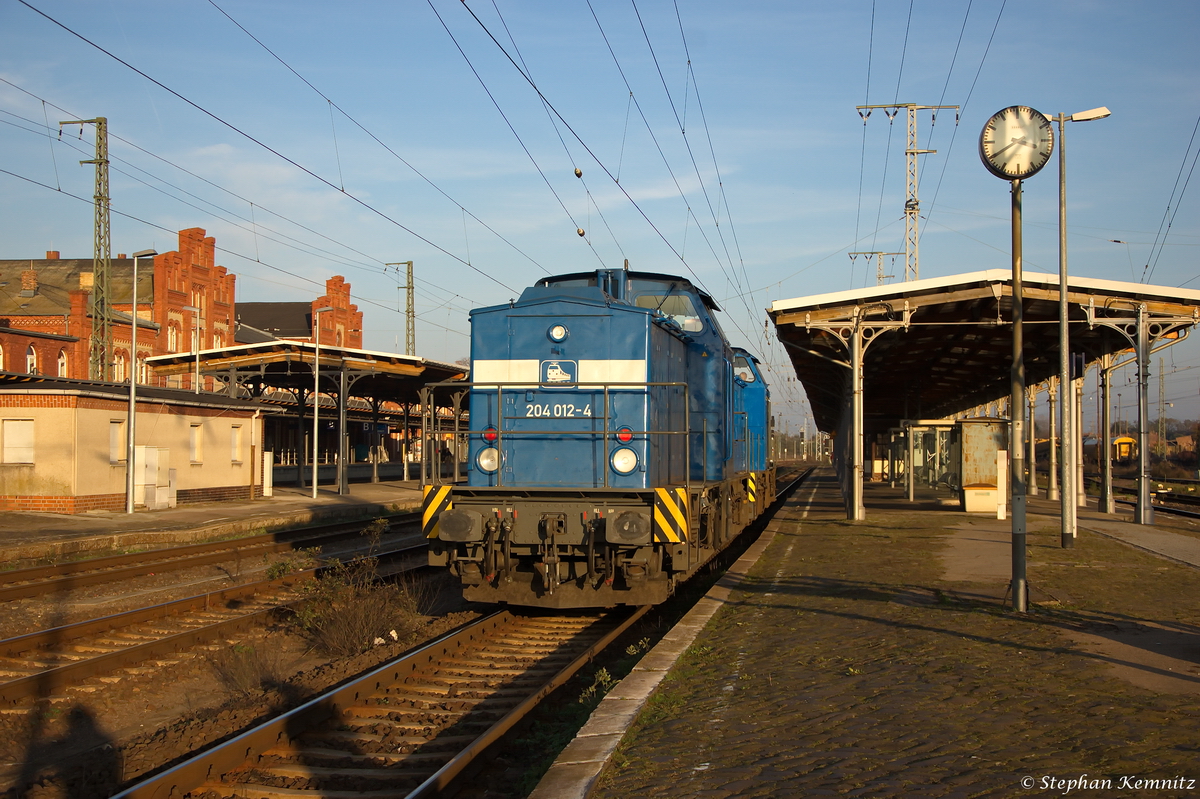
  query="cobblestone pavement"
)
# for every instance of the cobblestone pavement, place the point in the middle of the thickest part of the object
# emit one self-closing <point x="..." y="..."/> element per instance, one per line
<point x="847" y="666"/>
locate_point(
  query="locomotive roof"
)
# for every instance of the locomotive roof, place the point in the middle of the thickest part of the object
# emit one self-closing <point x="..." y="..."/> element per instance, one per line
<point x="682" y="282"/>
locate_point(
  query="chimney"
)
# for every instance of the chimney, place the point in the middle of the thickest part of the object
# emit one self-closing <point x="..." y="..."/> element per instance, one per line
<point x="51" y="255"/>
<point x="29" y="283"/>
<point x="120" y="256"/>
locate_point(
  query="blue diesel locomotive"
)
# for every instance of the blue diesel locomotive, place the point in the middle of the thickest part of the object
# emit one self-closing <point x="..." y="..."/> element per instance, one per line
<point x="617" y="443"/>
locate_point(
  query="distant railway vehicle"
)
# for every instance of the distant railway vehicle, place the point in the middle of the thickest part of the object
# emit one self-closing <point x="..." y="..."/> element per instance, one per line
<point x="617" y="443"/>
<point x="1124" y="449"/>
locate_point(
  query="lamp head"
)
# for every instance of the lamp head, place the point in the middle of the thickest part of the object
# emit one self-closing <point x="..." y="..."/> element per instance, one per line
<point x="1090" y="114"/>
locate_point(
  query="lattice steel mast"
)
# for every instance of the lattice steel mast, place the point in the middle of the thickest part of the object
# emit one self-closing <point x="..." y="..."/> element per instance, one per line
<point x="912" y="205"/>
<point x="100" y="346"/>
<point x="410" y="313"/>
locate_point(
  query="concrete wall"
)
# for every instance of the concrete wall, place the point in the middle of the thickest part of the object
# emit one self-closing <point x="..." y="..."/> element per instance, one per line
<point x="80" y="451"/>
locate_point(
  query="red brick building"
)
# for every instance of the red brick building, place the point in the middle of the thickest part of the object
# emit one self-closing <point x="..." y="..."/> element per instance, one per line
<point x="46" y="322"/>
<point x="341" y="327"/>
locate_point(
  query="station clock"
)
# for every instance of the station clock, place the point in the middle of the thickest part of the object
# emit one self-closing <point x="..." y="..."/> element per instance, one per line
<point x="1016" y="142"/>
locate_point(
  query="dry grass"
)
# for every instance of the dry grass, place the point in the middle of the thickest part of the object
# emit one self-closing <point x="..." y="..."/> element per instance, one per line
<point x="350" y="610"/>
<point x="246" y="670"/>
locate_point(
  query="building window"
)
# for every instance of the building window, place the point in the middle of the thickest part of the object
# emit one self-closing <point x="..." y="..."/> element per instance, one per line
<point x="141" y="370"/>
<point x="31" y="360"/>
<point x="62" y="363"/>
<point x="119" y="368"/>
<point x="17" y="437"/>
<point x="196" y="454"/>
<point x="1" y="359"/>
<point x="235" y="443"/>
<point x="116" y="440"/>
<point x="172" y="338"/>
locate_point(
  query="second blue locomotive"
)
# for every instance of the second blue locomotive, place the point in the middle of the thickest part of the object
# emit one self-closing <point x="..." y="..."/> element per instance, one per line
<point x="617" y="443"/>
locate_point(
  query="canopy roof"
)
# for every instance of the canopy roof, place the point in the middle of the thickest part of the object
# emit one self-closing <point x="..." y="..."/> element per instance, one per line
<point x="288" y="365"/>
<point x="955" y="352"/>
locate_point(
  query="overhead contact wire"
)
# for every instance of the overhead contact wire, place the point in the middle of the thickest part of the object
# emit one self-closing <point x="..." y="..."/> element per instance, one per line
<point x="264" y="145"/>
<point x="561" y="140"/>
<point x="686" y="143"/>
<point x="582" y="143"/>
<point x="376" y="139"/>
<point x="1160" y="237"/>
<point x="504" y="116"/>
<point x="234" y="253"/>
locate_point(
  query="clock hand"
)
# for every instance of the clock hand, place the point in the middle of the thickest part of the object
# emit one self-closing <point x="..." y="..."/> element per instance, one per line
<point x="1014" y="143"/>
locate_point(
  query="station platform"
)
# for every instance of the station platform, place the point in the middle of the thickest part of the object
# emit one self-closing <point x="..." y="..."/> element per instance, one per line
<point x="26" y="536"/>
<point x="881" y="658"/>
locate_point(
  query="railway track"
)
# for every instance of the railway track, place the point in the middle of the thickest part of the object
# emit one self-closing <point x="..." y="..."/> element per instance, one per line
<point x="44" y="663"/>
<point x="411" y="727"/>
<point x="52" y="579"/>
<point x="406" y="729"/>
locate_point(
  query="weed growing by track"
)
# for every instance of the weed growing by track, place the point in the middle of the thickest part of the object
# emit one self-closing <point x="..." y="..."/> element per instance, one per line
<point x="245" y="670"/>
<point x="291" y="562"/>
<point x="350" y="609"/>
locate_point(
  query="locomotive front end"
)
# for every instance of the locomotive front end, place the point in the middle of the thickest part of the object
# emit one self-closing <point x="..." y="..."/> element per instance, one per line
<point x="578" y="416"/>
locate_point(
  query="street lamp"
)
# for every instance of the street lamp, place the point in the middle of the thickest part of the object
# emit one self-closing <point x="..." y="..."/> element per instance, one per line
<point x="316" y="389"/>
<point x="1067" y="498"/>
<point x="195" y="343"/>
<point x="131" y="427"/>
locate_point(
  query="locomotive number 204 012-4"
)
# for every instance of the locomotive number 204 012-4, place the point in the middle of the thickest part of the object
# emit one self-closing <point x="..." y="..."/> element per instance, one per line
<point x="565" y="410"/>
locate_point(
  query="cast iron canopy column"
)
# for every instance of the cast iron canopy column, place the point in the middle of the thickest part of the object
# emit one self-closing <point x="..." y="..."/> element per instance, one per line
<point x="856" y="334"/>
<point x="1141" y="329"/>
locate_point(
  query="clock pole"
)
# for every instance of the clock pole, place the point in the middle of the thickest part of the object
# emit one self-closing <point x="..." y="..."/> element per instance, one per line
<point x="1015" y="143"/>
<point x="1017" y="412"/>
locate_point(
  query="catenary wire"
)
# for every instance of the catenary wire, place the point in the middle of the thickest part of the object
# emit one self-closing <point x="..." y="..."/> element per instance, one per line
<point x="558" y="133"/>
<point x="1169" y="215"/>
<point x="285" y="240"/>
<point x="234" y="253"/>
<point x="360" y="126"/>
<point x="262" y="144"/>
<point x="507" y="122"/>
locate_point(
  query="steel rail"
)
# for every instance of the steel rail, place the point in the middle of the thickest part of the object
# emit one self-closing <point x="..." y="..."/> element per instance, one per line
<point x="444" y="776"/>
<point x="208" y="766"/>
<point x="89" y="564"/>
<point x="101" y="570"/>
<point x="44" y="682"/>
<point x="194" y="772"/>
<point x="225" y="757"/>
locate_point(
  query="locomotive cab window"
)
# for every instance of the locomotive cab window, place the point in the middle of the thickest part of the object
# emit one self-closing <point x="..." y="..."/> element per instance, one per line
<point x="677" y="306"/>
<point x="741" y="368"/>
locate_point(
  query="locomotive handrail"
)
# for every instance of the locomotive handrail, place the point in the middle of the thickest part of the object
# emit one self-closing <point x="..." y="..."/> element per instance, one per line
<point x="499" y="387"/>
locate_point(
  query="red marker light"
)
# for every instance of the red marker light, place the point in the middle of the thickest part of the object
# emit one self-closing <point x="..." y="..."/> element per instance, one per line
<point x="490" y="435"/>
<point x="624" y="435"/>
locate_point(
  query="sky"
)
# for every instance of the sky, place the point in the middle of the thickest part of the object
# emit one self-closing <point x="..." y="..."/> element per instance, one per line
<point x="715" y="140"/>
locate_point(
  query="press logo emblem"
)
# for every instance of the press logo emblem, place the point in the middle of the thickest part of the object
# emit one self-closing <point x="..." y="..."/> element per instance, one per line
<point x="559" y="371"/>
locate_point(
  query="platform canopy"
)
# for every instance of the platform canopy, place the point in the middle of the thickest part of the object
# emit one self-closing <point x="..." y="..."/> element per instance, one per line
<point x="249" y="369"/>
<point x="936" y="347"/>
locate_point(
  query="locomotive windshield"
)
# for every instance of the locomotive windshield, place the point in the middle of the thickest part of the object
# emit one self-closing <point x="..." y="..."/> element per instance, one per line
<point x="677" y="306"/>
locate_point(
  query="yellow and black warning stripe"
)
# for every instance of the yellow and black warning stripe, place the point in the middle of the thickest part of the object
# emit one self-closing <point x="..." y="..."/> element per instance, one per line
<point x="752" y="488"/>
<point x="435" y="500"/>
<point x="670" y="515"/>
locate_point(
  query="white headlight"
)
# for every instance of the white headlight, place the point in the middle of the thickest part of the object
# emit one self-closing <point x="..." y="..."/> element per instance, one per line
<point x="488" y="459"/>
<point x="624" y="460"/>
<point x="557" y="333"/>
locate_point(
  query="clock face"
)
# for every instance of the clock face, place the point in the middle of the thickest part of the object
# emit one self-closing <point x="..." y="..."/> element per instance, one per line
<point x="1016" y="142"/>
